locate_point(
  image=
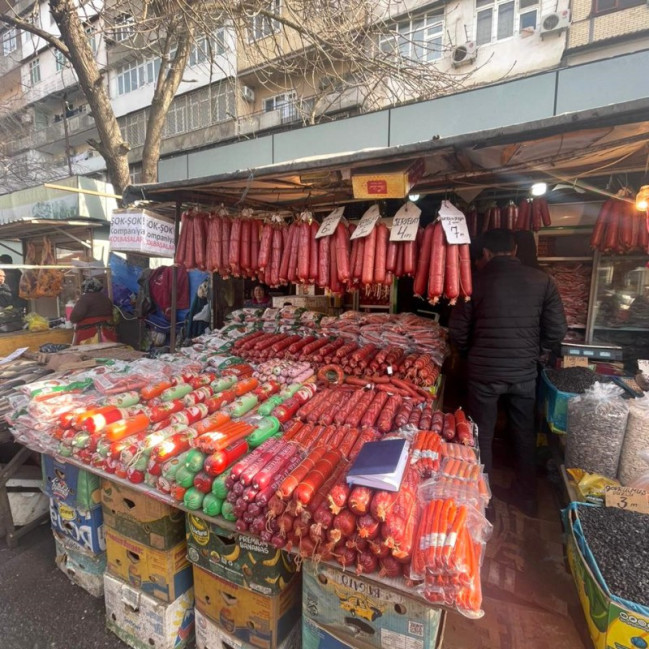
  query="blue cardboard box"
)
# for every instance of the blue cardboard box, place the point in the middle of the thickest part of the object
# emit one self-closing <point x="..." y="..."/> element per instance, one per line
<point x="70" y="485"/>
<point x="86" y="528"/>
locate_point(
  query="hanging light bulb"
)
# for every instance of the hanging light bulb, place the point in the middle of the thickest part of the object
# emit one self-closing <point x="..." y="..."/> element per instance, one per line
<point x="538" y="189"/>
<point x="642" y="199"/>
<point x="413" y="197"/>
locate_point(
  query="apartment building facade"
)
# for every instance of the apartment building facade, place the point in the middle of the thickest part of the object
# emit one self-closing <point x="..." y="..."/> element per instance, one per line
<point x="222" y="105"/>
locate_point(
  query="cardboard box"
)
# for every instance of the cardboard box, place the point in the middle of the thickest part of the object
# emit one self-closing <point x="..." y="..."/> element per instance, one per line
<point x="253" y="618"/>
<point x="384" y="182"/>
<point x="360" y="612"/>
<point x="163" y="574"/>
<point x="315" y="637"/>
<point x="210" y="635"/>
<point x="27" y="501"/>
<point x="144" y="622"/>
<point x="70" y="485"/>
<point x="84" y="527"/>
<point x="611" y="624"/>
<point x="82" y="568"/>
<point x="139" y="517"/>
<point x="239" y="558"/>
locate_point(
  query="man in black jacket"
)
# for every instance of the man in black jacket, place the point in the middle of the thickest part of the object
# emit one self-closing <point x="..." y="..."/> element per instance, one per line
<point x="515" y="312"/>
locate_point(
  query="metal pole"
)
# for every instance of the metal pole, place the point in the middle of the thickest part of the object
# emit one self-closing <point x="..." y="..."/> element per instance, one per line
<point x="174" y="284"/>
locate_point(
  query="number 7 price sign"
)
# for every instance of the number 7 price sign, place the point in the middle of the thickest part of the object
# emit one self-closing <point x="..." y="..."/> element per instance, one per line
<point x="454" y="224"/>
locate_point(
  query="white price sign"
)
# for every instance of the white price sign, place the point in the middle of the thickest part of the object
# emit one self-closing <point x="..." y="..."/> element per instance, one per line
<point x="330" y="223"/>
<point x="454" y="224"/>
<point x="142" y="232"/>
<point x="405" y="223"/>
<point x="367" y="223"/>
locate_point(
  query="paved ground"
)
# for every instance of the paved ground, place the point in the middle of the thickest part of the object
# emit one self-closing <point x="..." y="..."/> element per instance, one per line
<point x="529" y="598"/>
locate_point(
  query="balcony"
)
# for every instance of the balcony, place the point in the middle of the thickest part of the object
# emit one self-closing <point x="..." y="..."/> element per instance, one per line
<point x="80" y="123"/>
<point x="54" y="84"/>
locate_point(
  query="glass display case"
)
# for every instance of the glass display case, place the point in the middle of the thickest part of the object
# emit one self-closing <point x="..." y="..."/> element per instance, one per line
<point x="565" y="255"/>
<point x="619" y="304"/>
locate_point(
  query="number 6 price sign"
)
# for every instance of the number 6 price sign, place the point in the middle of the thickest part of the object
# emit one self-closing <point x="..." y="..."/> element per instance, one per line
<point x="330" y="223"/>
<point x="405" y="223"/>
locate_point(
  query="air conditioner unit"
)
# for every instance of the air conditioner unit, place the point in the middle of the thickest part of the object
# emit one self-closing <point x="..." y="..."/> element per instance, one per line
<point x="248" y="94"/>
<point x="464" y="54"/>
<point x="555" y="23"/>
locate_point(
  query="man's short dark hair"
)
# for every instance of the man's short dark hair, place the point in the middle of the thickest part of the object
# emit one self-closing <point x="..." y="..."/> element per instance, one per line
<point x="6" y="259"/>
<point x="499" y="241"/>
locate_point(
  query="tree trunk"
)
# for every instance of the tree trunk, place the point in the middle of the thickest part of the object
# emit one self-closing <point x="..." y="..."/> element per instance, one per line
<point x="167" y="84"/>
<point x="111" y="144"/>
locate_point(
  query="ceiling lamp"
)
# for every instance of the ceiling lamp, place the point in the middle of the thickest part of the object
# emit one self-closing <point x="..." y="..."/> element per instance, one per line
<point x="642" y="199"/>
<point x="413" y="197"/>
<point x="538" y="189"/>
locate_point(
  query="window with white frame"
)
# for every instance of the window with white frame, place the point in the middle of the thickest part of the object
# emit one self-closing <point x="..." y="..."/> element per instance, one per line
<point x="418" y="38"/>
<point x="9" y="41"/>
<point x="285" y="103"/>
<point x="204" y="49"/>
<point x="60" y="60"/>
<point x="262" y="26"/>
<point x="500" y="19"/>
<point x="123" y="28"/>
<point x="92" y="40"/>
<point x="35" y="71"/>
<point x="133" y="127"/>
<point x="136" y="74"/>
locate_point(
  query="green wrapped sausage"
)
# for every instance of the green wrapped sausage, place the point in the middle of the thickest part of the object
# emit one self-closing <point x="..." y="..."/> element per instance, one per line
<point x="267" y="427"/>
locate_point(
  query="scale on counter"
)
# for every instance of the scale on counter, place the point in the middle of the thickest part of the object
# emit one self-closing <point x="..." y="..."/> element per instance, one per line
<point x="594" y="352"/>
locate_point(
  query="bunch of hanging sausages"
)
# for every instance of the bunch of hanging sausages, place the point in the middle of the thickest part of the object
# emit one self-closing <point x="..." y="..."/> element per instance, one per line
<point x="530" y="214"/>
<point x="277" y="254"/>
<point x="620" y="228"/>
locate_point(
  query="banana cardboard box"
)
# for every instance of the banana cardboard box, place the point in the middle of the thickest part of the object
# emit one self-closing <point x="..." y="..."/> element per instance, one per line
<point x="143" y="622"/>
<point x="70" y="485"/>
<point x="340" y="609"/>
<point x="163" y="574"/>
<point x="612" y="623"/>
<point x="255" y="619"/>
<point x="82" y="568"/>
<point x="84" y="527"/>
<point x="140" y="517"/>
<point x="209" y="635"/>
<point x="239" y="558"/>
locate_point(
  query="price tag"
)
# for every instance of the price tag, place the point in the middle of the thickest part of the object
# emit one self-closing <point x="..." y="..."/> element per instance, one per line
<point x="367" y="223"/>
<point x="330" y="223"/>
<point x="405" y="223"/>
<point x="14" y="355"/>
<point x="633" y="500"/>
<point x="575" y="361"/>
<point x="454" y="224"/>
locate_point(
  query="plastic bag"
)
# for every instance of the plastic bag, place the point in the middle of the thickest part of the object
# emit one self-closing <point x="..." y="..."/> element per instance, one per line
<point x="36" y="322"/>
<point x="636" y="442"/>
<point x="595" y="430"/>
<point x="591" y="486"/>
<point x="641" y="481"/>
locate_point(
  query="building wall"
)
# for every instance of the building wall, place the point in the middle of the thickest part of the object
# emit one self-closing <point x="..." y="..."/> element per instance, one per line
<point x="587" y="28"/>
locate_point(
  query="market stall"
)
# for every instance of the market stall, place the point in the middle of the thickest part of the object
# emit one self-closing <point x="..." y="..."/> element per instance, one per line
<point x="55" y="229"/>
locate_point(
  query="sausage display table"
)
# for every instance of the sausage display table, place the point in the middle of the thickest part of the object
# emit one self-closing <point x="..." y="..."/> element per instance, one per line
<point x="33" y="339"/>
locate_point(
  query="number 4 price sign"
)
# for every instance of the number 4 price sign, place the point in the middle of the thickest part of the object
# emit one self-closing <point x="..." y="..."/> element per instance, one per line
<point x="405" y="223"/>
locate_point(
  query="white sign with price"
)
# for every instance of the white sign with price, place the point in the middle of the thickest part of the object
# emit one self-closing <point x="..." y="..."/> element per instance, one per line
<point x="454" y="224"/>
<point x="367" y="223"/>
<point x="405" y="223"/>
<point x="330" y="223"/>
